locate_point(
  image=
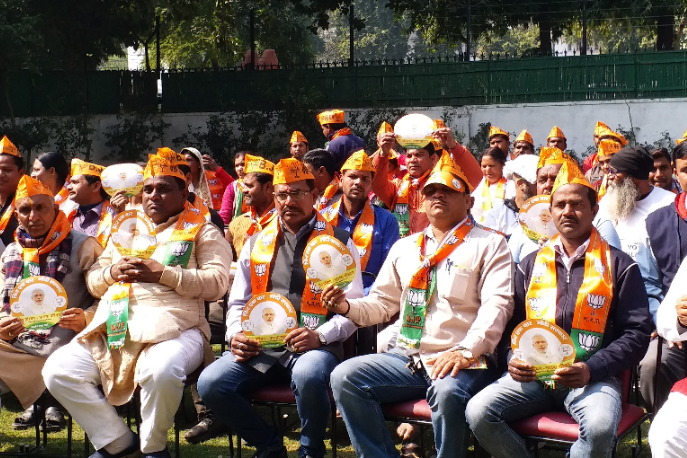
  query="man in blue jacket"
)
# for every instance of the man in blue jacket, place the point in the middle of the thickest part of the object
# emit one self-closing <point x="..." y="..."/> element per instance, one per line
<point x="608" y="320"/>
<point x="341" y="142"/>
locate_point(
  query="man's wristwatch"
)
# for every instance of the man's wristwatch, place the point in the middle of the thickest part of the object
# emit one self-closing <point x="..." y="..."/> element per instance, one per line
<point x="320" y="336"/>
<point x="467" y="354"/>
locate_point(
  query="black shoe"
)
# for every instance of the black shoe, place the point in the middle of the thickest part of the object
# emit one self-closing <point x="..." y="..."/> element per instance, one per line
<point x="281" y="453"/>
<point x="132" y="451"/>
<point x="208" y="428"/>
<point x="161" y="454"/>
<point x="24" y="421"/>
<point x="54" y="420"/>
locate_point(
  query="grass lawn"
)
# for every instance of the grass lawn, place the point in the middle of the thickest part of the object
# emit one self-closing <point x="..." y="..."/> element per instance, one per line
<point x="57" y="442"/>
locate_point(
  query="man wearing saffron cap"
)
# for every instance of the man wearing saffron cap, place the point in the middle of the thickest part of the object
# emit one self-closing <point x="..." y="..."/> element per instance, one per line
<point x="500" y="139"/>
<point x="550" y="162"/>
<point x="592" y="168"/>
<point x="258" y="192"/>
<point x="606" y="149"/>
<point x="396" y="168"/>
<point x="11" y="171"/>
<point x="322" y="165"/>
<point x="373" y="229"/>
<point x="45" y="245"/>
<point x="271" y="261"/>
<point x="341" y="142"/>
<point x="298" y="145"/>
<point x="556" y="139"/>
<point x="452" y="285"/>
<point x="523" y="145"/>
<point x="403" y="196"/>
<point x="607" y="319"/>
<point x="94" y="215"/>
<point x="150" y="329"/>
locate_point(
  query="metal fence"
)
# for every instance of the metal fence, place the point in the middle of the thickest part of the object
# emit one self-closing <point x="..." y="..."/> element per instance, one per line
<point x="443" y="82"/>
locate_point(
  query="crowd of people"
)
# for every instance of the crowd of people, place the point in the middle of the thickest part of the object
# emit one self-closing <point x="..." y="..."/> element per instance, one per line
<point x="602" y="261"/>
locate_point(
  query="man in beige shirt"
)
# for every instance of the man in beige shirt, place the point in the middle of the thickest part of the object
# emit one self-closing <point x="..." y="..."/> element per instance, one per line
<point x="452" y="284"/>
<point x="166" y="334"/>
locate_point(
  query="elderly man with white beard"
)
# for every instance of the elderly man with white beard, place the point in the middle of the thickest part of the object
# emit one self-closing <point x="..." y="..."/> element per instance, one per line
<point x="629" y="200"/>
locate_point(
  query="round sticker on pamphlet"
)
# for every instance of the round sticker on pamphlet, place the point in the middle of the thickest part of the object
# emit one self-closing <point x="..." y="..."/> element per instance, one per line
<point x="535" y="218"/>
<point x="268" y="318"/>
<point x="38" y="302"/>
<point x="414" y="131"/>
<point x="327" y="261"/>
<point x="123" y="177"/>
<point x="544" y="346"/>
<point x="133" y="234"/>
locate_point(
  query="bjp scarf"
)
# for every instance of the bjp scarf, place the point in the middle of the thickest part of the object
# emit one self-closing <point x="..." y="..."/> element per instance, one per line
<point x="5" y="219"/>
<point x="593" y="298"/>
<point x="258" y="223"/>
<point x="105" y="223"/>
<point x="22" y="259"/>
<point x="239" y="206"/>
<point x="342" y="132"/>
<point x="402" y="205"/>
<point x="312" y="313"/>
<point x="486" y="195"/>
<point x="362" y="234"/>
<point x="329" y="192"/>
<point x="423" y="284"/>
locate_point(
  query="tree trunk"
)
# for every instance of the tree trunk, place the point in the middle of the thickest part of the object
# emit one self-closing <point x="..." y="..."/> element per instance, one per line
<point x="665" y="32"/>
<point x="6" y="90"/>
<point x="545" y="47"/>
<point x="680" y="30"/>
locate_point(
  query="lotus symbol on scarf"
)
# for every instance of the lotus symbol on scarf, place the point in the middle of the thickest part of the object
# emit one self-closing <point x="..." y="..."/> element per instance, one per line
<point x="587" y="341"/>
<point x="34" y="270"/>
<point x="188" y="226"/>
<point x="599" y="267"/>
<point x="596" y="301"/>
<point x="267" y="240"/>
<point x="178" y="249"/>
<point x="452" y="240"/>
<point x="260" y="269"/>
<point x="320" y="225"/>
<point x="416" y="298"/>
<point x="366" y="228"/>
<point x="536" y="304"/>
<point x="314" y="288"/>
<point x="362" y="251"/>
<point x="401" y="209"/>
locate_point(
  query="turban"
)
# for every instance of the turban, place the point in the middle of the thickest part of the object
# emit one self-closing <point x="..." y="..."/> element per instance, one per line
<point x="633" y="161"/>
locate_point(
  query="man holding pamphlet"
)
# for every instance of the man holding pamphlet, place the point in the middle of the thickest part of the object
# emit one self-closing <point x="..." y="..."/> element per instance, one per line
<point x="452" y="285"/>
<point x="603" y="307"/>
<point x="278" y="282"/>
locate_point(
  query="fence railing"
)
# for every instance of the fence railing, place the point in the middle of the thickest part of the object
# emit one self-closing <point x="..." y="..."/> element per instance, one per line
<point x="444" y="82"/>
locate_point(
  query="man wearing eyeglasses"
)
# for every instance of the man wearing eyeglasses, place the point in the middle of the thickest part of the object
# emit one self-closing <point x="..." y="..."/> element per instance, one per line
<point x="271" y="261"/>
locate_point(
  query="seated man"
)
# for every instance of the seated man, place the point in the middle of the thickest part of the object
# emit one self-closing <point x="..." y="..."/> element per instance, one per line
<point x="12" y="168"/>
<point x="322" y="166"/>
<point x="446" y="324"/>
<point x="158" y="337"/>
<point x="93" y="216"/>
<point x="590" y="389"/>
<point x="669" y="428"/>
<point x="64" y="258"/>
<point x="271" y="262"/>
<point x="374" y="230"/>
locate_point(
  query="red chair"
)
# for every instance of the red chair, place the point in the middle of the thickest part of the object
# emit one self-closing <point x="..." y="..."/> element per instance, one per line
<point x="561" y="431"/>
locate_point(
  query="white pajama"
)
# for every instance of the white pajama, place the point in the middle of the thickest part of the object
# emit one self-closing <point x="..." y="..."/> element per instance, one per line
<point x="668" y="432"/>
<point x="72" y="377"/>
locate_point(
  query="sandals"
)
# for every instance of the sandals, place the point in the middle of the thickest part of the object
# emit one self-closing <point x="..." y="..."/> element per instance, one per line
<point x="24" y="421"/>
<point x="54" y="420"/>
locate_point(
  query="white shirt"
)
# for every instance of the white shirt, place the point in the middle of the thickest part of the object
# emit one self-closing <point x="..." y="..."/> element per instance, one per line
<point x="501" y="218"/>
<point x="477" y="211"/>
<point x="666" y="317"/>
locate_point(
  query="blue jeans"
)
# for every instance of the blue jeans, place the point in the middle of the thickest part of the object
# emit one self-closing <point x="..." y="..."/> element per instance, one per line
<point x="361" y="384"/>
<point x="225" y="386"/>
<point x="596" y="408"/>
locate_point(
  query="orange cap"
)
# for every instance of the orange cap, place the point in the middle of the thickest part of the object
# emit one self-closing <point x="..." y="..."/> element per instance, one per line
<point x="493" y="130"/>
<point x="439" y="124"/>
<point x="525" y="137"/>
<point x="599" y="127"/>
<point x="556" y="132"/>
<point x="291" y="170"/>
<point x="358" y="161"/>
<point x="385" y="128"/>
<point x="297" y="136"/>
<point x="608" y="147"/>
<point x="161" y="166"/>
<point x="80" y="167"/>
<point x="331" y="117"/>
<point x="680" y="140"/>
<point x="171" y="155"/>
<point x="549" y="155"/>
<point x="7" y="147"/>
<point x="29" y="187"/>
<point x="448" y="173"/>
<point x="256" y="164"/>
<point x="570" y="174"/>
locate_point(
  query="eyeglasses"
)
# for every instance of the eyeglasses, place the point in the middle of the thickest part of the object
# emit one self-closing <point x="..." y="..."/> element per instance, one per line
<point x="296" y="195"/>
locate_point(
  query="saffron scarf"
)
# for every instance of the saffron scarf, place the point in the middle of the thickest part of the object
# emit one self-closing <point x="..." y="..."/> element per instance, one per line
<point x="593" y="298"/>
<point x="362" y="234"/>
<point x="486" y="194"/>
<point x="342" y="132"/>
<point x="423" y="284"/>
<point x="257" y="224"/>
<point x="402" y="205"/>
<point x="312" y="314"/>
<point x="330" y="191"/>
